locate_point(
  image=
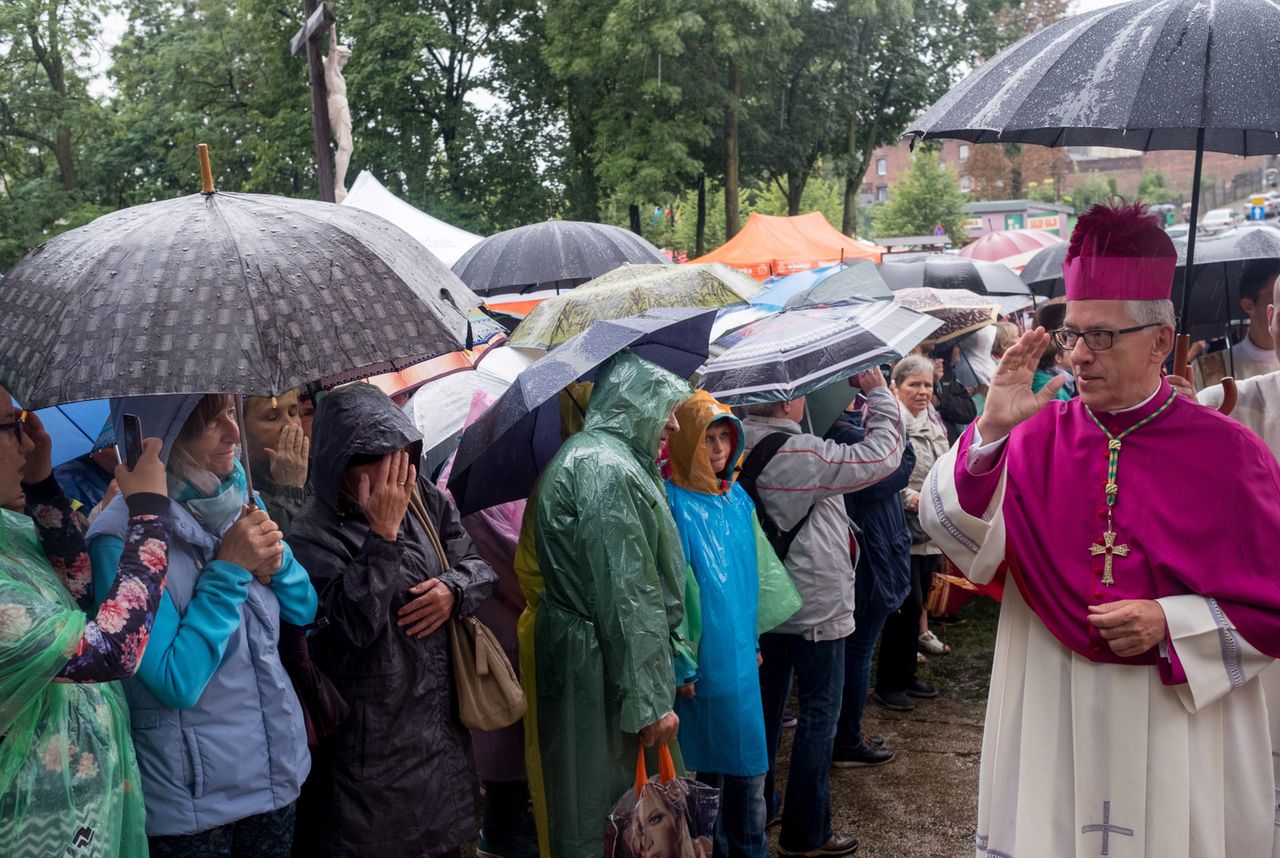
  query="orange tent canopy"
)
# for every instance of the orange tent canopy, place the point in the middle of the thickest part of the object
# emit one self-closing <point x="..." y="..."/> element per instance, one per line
<point x="769" y="246"/>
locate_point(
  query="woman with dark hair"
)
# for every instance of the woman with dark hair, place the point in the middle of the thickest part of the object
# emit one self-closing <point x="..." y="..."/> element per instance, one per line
<point x="215" y="720"/>
<point x="68" y="776"/>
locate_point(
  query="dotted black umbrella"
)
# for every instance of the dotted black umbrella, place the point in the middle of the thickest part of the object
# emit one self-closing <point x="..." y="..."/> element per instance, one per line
<point x="555" y="254"/>
<point x="223" y="293"/>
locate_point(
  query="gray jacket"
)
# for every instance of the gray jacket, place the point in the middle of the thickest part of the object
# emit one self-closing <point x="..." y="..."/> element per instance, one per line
<point x="811" y="473"/>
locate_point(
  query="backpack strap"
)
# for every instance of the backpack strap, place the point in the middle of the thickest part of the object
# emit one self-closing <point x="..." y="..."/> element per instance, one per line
<point x="752" y="467"/>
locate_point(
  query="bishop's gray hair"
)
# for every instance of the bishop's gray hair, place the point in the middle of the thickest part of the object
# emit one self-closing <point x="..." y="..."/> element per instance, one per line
<point x="1151" y="312"/>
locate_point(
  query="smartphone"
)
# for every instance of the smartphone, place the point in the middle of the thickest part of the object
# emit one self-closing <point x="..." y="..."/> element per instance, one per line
<point x="132" y="440"/>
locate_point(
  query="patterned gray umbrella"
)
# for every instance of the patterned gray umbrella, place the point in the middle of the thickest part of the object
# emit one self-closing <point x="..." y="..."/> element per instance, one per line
<point x="223" y="292"/>
<point x="555" y="254"/>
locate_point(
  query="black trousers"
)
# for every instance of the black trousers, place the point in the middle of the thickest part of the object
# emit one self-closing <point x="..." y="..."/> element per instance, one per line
<point x="896" y="668"/>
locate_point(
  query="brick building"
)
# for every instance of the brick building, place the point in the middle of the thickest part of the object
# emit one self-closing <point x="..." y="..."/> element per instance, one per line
<point x="1226" y="177"/>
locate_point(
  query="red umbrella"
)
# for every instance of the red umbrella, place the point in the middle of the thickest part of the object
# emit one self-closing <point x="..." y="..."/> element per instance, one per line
<point x="996" y="246"/>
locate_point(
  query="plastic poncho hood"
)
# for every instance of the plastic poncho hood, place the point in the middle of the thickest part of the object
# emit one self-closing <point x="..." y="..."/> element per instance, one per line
<point x="356" y="420"/>
<point x="632" y="400"/>
<point x="690" y="464"/>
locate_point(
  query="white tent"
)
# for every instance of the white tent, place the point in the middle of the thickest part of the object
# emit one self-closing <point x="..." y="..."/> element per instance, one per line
<point x="447" y="242"/>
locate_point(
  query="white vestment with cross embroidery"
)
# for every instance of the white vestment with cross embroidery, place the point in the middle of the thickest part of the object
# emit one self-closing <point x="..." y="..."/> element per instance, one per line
<point x="1085" y="758"/>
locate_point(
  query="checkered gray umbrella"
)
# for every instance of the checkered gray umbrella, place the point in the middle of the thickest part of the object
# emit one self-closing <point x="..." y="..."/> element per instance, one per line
<point x="223" y="293"/>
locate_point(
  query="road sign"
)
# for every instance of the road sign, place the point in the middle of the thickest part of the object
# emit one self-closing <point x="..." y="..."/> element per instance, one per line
<point x="1257" y="213"/>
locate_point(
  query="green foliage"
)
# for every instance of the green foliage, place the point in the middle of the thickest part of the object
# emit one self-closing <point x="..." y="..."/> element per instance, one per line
<point x="927" y="195"/>
<point x="1041" y="192"/>
<point x="1090" y="191"/>
<point x="1153" y="191"/>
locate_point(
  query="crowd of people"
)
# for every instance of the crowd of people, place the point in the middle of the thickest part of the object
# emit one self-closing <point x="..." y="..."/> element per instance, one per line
<point x="189" y="667"/>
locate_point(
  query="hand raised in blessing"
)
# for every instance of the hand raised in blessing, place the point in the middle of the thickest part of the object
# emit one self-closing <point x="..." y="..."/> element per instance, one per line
<point x="1010" y="400"/>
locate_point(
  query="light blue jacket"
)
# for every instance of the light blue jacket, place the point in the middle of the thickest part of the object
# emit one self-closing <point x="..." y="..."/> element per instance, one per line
<point x="215" y="721"/>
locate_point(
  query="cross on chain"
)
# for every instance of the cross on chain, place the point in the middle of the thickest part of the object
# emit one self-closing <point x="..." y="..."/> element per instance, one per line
<point x="1110" y="551"/>
<point x="1106" y="828"/>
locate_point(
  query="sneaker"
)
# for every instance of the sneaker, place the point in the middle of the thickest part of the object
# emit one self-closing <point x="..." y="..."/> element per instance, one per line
<point x="920" y="688"/>
<point x="898" y="701"/>
<point x="863" y="756"/>
<point x="837" y="845"/>
<point x="516" y="846"/>
<point x="920" y="659"/>
<point x="930" y="645"/>
<point x="789" y="721"/>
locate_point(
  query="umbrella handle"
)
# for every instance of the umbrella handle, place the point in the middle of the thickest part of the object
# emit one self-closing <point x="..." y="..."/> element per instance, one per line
<point x="206" y="171"/>
<point x="1181" y="368"/>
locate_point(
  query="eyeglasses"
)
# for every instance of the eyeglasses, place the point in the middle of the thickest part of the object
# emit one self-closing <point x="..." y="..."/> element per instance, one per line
<point x="1097" y="341"/>
<point x="16" y="425"/>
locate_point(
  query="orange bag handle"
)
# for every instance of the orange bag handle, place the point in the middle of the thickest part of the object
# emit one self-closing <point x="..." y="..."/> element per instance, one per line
<point x="666" y="768"/>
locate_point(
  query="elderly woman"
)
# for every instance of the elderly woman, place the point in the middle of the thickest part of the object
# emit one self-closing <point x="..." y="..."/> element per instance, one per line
<point x="68" y="776"/>
<point x="896" y="681"/>
<point x="278" y="453"/>
<point x="216" y="724"/>
<point x="398" y="778"/>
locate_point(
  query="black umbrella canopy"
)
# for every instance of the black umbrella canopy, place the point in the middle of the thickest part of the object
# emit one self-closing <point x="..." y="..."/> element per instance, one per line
<point x="223" y="292"/>
<point x="1141" y="75"/>
<point x="941" y="271"/>
<point x="861" y="279"/>
<point x="555" y="254"/>
<point x="502" y="453"/>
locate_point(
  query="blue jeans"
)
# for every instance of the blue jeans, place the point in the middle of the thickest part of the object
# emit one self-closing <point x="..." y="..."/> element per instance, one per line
<point x="740" y="826"/>
<point x="819" y="671"/>
<point x="859" y="647"/>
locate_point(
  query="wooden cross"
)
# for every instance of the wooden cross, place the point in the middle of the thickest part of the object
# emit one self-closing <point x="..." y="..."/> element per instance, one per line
<point x="1106" y="828"/>
<point x="309" y="37"/>
<point x="1110" y="551"/>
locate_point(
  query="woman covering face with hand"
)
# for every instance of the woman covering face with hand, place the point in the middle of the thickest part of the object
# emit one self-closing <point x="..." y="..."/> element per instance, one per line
<point x="68" y="776"/>
<point x="215" y="720"/>
<point x="397" y="779"/>
<point x="279" y="453"/>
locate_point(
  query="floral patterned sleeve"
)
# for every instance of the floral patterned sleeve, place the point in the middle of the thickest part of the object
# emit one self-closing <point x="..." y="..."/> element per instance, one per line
<point x="115" y="636"/>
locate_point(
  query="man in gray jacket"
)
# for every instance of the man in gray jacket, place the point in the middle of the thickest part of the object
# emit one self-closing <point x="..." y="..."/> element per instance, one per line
<point x="798" y="490"/>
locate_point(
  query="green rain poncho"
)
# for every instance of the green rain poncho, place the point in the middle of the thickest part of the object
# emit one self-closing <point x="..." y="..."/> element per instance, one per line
<point x="612" y="600"/>
<point x="67" y="770"/>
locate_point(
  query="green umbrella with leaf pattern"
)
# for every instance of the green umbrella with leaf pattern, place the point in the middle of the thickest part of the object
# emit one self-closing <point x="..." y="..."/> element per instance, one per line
<point x="628" y="291"/>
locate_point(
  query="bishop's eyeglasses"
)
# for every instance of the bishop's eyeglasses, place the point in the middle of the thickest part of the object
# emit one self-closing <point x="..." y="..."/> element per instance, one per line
<point x="1097" y="341"/>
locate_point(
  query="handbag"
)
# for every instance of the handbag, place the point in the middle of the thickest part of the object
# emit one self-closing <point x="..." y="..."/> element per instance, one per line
<point x="489" y="693"/>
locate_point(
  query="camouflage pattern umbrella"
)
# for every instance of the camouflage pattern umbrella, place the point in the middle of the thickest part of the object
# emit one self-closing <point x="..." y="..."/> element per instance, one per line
<point x="961" y="311"/>
<point x="222" y="292"/>
<point x="627" y="291"/>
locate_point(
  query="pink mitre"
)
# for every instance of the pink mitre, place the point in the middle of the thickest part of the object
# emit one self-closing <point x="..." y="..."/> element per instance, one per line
<point x="1119" y="253"/>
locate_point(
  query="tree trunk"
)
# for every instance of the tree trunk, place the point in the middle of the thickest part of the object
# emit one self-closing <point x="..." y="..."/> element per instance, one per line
<point x="852" y="182"/>
<point x="63" y="152"/>
<point x="633" y="211"/>
<point x="731" y="152"/>
<point x="795" y="191"/>
<point x="700" y="228"/>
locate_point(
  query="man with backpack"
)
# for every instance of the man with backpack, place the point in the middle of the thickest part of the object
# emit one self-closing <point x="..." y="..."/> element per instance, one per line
<point x="797" y="481"/>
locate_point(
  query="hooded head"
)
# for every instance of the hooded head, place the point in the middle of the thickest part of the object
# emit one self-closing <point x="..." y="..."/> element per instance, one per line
<point x="632" y="400"/>
<point x="689" y="458"/>
<point x="356" y="420"/>
<point x="161" y="416"/>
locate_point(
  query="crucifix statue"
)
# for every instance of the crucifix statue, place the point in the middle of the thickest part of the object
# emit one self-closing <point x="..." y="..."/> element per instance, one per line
<point x="319" y="17"/>
<point x="339" y="110"/>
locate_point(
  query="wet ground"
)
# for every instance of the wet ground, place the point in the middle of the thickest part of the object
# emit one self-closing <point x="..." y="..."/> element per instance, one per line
<point x="924" y="803"/>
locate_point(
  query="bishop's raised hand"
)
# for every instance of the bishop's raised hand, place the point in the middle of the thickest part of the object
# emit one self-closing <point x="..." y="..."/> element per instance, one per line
<point x="1010" y="400"/>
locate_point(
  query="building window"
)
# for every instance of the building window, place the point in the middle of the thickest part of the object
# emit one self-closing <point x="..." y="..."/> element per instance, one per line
<point x="882" y="193"/>
<point x="964" y="152"/>
<point x="882" y="167"/>
<point x="966" y="184"/>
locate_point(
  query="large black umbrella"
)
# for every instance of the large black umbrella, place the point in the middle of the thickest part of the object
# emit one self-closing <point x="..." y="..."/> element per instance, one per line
<point x="1150" y="74"/>
<point x="222" y="292"/>
<point x="555" y="254"/>
<point x="502" y="453"/>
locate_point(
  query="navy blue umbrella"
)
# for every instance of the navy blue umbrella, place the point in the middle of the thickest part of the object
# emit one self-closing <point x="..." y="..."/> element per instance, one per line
<point x="502" y="453"/>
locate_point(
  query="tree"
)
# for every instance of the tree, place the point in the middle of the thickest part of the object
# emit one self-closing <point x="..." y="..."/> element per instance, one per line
<point x="926" y="196"/>
<point x="1089" y="190"/>
<point x="1153" y="191"/>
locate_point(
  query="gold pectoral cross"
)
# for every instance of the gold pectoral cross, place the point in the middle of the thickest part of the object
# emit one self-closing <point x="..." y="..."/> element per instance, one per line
<point x="1108" y="549"/>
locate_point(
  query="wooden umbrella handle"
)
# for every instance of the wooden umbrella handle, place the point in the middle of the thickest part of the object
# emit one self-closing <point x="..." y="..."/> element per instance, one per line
<point x="206" y="171"/>
<point x="1182" y="368"/>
